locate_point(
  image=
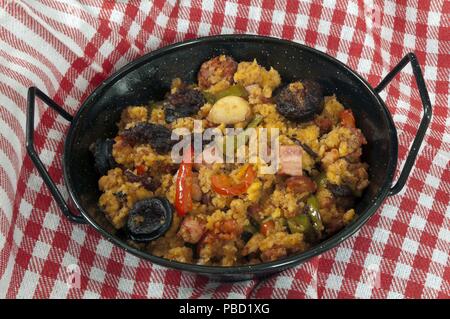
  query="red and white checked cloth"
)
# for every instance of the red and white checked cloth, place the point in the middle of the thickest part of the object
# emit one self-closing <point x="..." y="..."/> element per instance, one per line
<point x="66" y="48"/>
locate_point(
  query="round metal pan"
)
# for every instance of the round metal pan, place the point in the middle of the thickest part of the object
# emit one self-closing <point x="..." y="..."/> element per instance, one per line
<point x="149" y="77"/>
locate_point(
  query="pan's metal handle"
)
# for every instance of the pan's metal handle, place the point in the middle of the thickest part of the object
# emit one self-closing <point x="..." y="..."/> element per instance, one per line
<point x="410" y="159"/>
<point x="34" y="92"/>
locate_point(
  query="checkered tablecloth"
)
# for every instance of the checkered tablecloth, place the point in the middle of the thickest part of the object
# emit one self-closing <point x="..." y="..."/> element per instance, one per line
<point x="66" y="48"/>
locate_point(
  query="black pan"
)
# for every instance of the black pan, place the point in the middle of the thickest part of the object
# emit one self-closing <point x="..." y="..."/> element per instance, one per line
<point x="149" y="77"/>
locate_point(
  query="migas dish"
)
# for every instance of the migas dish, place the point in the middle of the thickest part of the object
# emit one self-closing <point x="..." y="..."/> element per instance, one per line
<point x="257" y="209"/>
<point x="149" y="78"/>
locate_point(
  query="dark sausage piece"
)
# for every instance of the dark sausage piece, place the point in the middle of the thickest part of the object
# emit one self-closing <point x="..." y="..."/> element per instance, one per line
<point x="145" y="179"/>
<point x="158" y="136"/>
<point x="149" y="219"/>
<point x="339" y="190"/>
<point x="299" y="103"/>
<point x="103" y="159"/>
<point x="245" y="236"/>
<point x="184" y="102"/>
<point x="215" y="70"/>
<point x="343" y="195"/>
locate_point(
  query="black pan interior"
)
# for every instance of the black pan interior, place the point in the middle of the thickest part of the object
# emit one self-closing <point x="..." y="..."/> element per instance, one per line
<point x="149" y="78"/>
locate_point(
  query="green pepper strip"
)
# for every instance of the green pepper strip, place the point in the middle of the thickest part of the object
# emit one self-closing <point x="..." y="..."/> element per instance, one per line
<point x="302" y="224"/>
<point x="234" y="90"/>
<point x="209" y="97"/>
<point x="312" y="210"/>
<point x="255" y="121"/>
<point x="299" y="224"/>
<point x="253" y="124"/>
